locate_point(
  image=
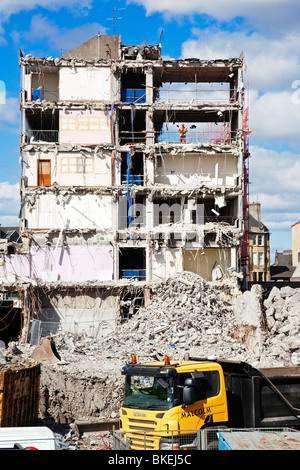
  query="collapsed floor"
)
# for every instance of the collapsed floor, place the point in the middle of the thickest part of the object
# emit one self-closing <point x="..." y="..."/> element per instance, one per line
<point x="185" y="313"/>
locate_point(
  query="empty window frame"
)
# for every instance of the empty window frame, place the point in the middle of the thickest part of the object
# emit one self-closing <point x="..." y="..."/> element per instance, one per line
<point x="132" y="263"/>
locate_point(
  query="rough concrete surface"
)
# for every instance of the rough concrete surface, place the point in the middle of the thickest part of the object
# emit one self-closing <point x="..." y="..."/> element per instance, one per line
<point x="185" y="313"/>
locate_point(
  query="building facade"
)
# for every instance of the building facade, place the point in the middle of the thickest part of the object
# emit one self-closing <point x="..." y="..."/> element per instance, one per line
<point x="259" y="246"/>
<point x="115" y="195"/>
<point x="296" y="244"/>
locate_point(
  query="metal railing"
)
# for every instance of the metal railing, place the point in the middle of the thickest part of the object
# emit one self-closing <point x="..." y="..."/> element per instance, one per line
<point x="195" y="137"/>
<point x="185" y="93"/>
<point x="136" y="274"/>
<point x="132" y="137"/>
<point x="192" y="137"/>
<point x="195" y="439"/>
<point x="196" y="95"/>
<point x="132" y="179"/>
<point x="37" y="136"/>
<point x="185" y="177"/>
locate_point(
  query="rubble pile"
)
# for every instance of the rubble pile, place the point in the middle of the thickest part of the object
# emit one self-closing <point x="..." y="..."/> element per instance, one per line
<point x="184" y="314"/>
<point x="282" y="314"/>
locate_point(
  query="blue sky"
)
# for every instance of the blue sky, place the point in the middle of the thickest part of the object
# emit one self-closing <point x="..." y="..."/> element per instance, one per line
<point x="267" y="30"/>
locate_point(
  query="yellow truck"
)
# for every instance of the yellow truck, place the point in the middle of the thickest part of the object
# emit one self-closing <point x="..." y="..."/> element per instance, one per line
<point x="166" y="402"/>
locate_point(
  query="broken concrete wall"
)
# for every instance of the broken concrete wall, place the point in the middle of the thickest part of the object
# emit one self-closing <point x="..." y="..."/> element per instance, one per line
<point x="63" y="263"/>
<point x="89" y="311"/>
<point x="282" y="314"/>
<point x="273" y="323"/>
<point x="67" y="210"/>
<point x="82" y="84"/>
<point x="184" y="313"/>
<point x="165" y="263"/>
<point x="249" y="313"/>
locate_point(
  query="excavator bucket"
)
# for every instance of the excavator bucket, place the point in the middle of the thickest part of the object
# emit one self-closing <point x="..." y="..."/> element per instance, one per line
<point x="46" y="352"/>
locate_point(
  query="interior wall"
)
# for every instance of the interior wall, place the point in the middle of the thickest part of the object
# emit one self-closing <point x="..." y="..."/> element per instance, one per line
<point x="192" y="169"/>
<point x="87" y="211"/>
<point x="79" y="263"/>
<point x="84" y="127"/>
<point x="84" y="84"/>
<point x="203" y="261"/>
<point x="93" y="312"/>
<point x="70" y="168"/>
<point x="37" y="81"/>
<point x="165" y="263"/>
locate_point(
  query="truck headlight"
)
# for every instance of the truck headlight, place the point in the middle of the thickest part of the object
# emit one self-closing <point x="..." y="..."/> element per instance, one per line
<point x="168" y="444"/>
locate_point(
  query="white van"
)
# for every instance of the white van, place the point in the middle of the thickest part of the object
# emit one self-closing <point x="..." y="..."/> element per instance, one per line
<point x="25" y="438"/>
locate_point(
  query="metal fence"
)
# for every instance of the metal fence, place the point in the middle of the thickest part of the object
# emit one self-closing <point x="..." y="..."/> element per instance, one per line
<point x="160" y="440"/>
<point x="203" y="439"/>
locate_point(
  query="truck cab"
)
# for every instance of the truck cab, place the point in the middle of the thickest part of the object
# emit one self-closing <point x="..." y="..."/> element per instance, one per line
<point x="168" y="398"/>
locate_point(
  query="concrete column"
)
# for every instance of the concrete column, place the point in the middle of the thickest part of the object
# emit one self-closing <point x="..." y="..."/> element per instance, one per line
<point x="150" y="137"/>
<point x="149" y="86"/>
<point x="149" y="171"/>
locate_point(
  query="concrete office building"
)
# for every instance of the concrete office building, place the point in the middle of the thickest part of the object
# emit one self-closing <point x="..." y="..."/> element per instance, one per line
<point x="113" y="196"/>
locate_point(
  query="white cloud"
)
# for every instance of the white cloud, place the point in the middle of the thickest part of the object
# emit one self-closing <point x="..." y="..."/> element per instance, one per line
<point x="9" y="7"/>
<point x="41" y="28"/>
<point x="274" y="204"/>
<point x="10" y="115"/>
<point x="9" y="203"/>
<point x="9" y="220"/>
<point x="276" y="172"/>
<point x="272" y="14"/>
<point x="272" y="64"/>
<point x="9" y="191"/>
<point x="273" y="69"/>
<point x="274" y="116"/>
<point x="274" y="182"/>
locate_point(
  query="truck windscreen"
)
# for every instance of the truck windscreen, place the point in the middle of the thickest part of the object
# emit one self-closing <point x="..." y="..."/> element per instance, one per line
<point x="148" y="392"/>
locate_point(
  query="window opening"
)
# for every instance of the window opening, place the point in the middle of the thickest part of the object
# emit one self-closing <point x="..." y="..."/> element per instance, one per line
<point x="132" y="263"/>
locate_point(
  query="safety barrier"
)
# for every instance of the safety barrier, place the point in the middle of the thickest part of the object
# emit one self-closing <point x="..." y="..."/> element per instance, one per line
<point x="203" y="439"/>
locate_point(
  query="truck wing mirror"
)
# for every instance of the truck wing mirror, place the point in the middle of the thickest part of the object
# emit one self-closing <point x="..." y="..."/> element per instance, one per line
<point x="189" y="392"/>
<point x="188" y="395"/>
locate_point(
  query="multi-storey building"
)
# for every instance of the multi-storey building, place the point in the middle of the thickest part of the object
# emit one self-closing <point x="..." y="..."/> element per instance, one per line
<point x="114" y="197"/>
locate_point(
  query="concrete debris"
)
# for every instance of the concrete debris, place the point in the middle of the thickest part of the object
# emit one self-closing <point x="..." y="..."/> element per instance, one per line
<point x="184" y="314"/>
<point x="282" y="315"/>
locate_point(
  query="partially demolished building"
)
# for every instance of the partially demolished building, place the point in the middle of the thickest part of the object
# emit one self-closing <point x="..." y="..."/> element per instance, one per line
<point x="134" y="168"/>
